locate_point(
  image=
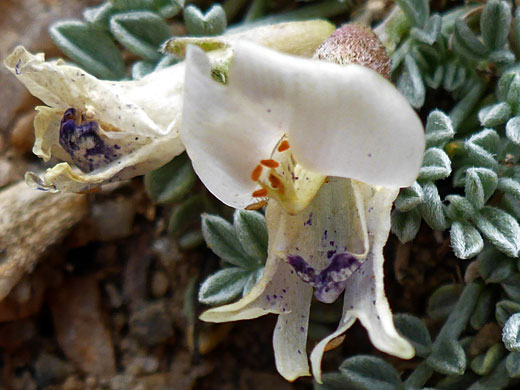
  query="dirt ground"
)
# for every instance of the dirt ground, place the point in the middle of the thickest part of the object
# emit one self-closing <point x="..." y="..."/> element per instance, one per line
<point x="96" y="295"/>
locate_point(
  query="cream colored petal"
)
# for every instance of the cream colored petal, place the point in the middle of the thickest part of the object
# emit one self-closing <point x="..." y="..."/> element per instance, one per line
<point x="63" y="177"/>
<point x="290" y="338"/>
<point x="224" y="134"/>
<point x="364" y="295"/>
<point x="138" y="107"/>
<point x="341" y="120"/>
<point x="135" y="123"/>
<point x="297" y="38"/>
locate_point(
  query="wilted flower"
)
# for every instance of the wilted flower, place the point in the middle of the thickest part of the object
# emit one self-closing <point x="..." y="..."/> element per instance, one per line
<point x="109" y="130"/>
<point x="327" y="146"/>
<point x="105" y="130"/>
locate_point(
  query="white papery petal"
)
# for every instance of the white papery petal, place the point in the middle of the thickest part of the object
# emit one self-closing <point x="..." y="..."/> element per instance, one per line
<point x="226" y="133"/>
<point x="364" y="295"/>
<point x="138" y="120"/>
<point x="341" y="120"/>
<point x="345" y="120"/>
<point x="147" y="106"/>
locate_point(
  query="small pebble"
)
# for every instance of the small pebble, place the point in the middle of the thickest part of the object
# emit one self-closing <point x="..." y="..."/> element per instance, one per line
<point x="113" y="219"/>
<point x="50" y="369"/>
<point x="142" y="365"/>
<point x="151" y="323"/>
<point x="22" y="135"/>
<point x="159" y="284"/>
<point x="114" y="296"/>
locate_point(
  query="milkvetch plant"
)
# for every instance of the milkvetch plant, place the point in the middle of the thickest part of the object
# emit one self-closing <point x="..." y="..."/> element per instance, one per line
<point x="114" y="130"/>
<point x="327" y="147"/>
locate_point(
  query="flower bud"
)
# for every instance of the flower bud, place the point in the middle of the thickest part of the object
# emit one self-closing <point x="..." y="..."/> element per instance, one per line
<point x="355" y="44"/>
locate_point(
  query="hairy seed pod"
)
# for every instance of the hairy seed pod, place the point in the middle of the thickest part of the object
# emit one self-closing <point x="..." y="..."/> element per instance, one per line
<point x="355" y="44"/>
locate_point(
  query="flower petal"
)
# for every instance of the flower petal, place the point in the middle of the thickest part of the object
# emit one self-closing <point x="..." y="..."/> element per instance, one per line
<point x="279" y="291"/>
<point x="126" y="129"/>
<point x="223" y="132"/>
<point x="344" y="120"/>
<point x="300" y="38"/>
<point x="62" y="177"/>
<point x="364" y="295"/>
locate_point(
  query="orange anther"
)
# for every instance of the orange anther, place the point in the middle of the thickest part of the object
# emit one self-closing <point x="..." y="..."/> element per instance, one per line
<point x="260" y="193"/>
<point x="269" y="163"/>
<point x="283" y="146"/>
<point x="256" y="173"/>
<point x="275" y="181"/>
<point x="257" y="205"/>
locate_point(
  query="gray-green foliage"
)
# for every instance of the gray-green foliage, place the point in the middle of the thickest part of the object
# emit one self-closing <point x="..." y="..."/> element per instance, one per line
<point x="469" y="185"/>
<point x="140" y="26"/>
<point x="242" y="246"/>
<point x="480" y="159"/>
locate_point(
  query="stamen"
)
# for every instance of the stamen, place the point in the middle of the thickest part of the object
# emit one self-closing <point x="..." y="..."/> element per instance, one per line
<point x="256" y="206"/>
<point x="275" y="181"/>
<point x="256" y="173"/>
<point x="283" y="146"/>
<point x="260" y="193"/>
<point x="269" y="163"/>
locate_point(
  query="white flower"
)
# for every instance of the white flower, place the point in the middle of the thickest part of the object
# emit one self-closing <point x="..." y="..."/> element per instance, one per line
<point x="328" y="146"/>
<point x="109" y="130"/>
<point x="105" y="130"/>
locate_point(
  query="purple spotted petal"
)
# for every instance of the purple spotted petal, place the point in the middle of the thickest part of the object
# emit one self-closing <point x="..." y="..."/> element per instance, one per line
<point x="83" y="143"/>
<point x="304" y="271"/>
<point x="332" y="280"/>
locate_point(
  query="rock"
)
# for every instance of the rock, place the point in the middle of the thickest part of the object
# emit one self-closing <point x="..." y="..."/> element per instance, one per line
<point x="151" y="323"/>
<point x="142" y="365"/>
<point x="7" y="171"/>
<point x="24" y="300"/>
<point x="72" y="383"/>
<point x="23" y="382"/>
<point x="167" y="250"/>
<point x="184" y="374"/>
<point x="49" y="369"/>
<point x="253" y="380"/>
<point x="22" y="134"/>
<point x="122" y="382"/>
<point x="159" y="284"/>
<point x="157" y="381"/>
<point x="113" y="219"/>
<point x="14" y="334"/>
<point x="30" y="222"/>
<point x="135" y="274"/>
<point x="114" y="297"/>
<point x="79" y="327"/>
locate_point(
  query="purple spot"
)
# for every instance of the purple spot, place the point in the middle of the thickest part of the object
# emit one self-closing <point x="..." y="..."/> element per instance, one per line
<point x="304" y="271"/>
<point x="373" y="302"/>
<point x="299" y="352"/>
<point x="325" y="234"/>
<point x="369" y="154"/>
<point x="331" y="243"/>
<point x="83" y="143"/>
<point x="268" y="298"/>
<point x="275" y="296"/>
<point x="330" y="254"/>
<point x="17" y="67"/>
<point x="284" y="290"/>
<point x="330" y="282"/>
<point x="117" y="147"/>
<point x="309" y="221"/>
<point x="302" y="329"/>
<point x="268" y="110"/>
